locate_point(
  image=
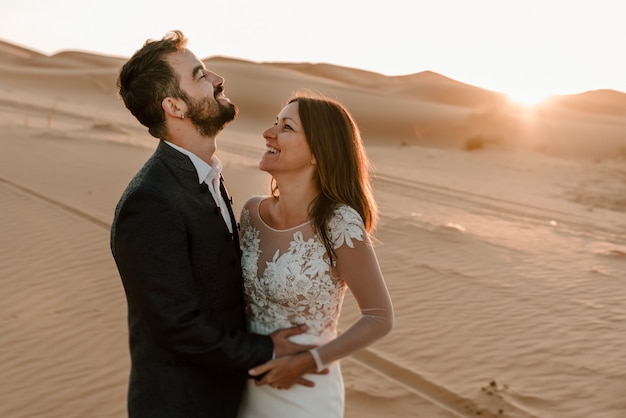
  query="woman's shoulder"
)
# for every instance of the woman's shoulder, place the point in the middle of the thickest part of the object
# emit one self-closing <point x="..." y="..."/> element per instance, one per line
<point x="346" y="225"/>
<point x="251" y="210"/>
<point x="348" y="214"/>
<point x="253" y="202"/>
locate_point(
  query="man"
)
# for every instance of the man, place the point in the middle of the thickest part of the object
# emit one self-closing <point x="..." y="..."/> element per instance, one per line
<point x="174" y="239"/>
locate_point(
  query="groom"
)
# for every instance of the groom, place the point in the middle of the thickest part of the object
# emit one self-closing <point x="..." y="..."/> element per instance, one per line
<point x="174" y="239"/>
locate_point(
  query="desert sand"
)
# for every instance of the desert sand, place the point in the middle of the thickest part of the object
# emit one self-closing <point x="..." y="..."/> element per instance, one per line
<point x="502" y="237"/>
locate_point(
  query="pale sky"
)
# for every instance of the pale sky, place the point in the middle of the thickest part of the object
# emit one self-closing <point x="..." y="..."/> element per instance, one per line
<point x="528" y="49"/>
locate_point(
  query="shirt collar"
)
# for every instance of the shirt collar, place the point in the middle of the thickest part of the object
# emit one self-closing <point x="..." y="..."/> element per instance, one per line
<point x="204" y="170"/>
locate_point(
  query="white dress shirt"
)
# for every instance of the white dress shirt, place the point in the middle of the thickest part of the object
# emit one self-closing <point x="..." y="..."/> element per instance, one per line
<point x="209" y="174"/>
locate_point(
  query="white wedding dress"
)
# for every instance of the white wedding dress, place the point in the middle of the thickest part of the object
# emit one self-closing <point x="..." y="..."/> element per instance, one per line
<point x="288" y="280"/>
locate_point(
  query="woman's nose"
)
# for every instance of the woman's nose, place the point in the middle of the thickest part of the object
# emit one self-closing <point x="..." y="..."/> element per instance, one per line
<point x="269" y="133"/>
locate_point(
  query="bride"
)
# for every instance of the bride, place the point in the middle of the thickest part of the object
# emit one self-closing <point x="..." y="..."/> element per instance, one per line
<point x="303" y="246"/>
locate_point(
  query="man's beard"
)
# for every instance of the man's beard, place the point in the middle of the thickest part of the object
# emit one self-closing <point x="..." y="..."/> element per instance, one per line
<point x="208" y="116"/>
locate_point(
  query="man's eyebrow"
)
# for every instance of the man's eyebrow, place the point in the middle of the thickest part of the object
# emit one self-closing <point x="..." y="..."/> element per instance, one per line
<point x="196" y="69"/>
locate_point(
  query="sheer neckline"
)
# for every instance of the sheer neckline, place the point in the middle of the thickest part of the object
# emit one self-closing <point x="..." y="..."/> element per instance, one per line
<point x="265" y="224"/>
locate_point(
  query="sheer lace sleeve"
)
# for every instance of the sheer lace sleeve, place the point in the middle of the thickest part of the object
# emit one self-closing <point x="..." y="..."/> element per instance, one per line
<point x="358" y="266"/>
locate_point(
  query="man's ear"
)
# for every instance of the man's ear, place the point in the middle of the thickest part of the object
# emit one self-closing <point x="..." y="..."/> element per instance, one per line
<point x="174" y="107"/>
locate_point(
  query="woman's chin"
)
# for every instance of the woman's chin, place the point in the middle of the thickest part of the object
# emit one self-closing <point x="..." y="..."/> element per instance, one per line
<point x="265" y="165"/>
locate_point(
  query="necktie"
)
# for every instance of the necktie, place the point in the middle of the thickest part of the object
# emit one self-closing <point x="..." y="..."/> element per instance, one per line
<point x="221" y="203"/>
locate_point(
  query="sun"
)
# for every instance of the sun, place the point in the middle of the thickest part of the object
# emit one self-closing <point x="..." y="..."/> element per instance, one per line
<point x="527" y="97"/>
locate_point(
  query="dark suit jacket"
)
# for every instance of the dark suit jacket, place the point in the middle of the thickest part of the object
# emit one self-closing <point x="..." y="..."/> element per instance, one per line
<point x="181" y="272"/>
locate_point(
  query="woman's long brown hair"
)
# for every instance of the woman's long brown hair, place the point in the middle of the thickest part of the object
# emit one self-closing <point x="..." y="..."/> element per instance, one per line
<point x="343" y="168"/>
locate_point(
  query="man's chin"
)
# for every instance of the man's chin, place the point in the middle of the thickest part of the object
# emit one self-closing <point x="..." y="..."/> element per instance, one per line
<point x="228" y="111"/>
<point x="212" y="129"/>
<point x="231" y="108"/>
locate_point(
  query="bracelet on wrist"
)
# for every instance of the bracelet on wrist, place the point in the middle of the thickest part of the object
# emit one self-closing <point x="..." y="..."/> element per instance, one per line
<point x="318" y="360"/>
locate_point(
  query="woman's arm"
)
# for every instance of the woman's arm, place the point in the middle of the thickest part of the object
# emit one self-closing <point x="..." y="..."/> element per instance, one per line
<point x="357" y="264"/>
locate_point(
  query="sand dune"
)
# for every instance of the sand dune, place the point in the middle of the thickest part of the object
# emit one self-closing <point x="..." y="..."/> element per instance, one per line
<point x="502" y="238"/>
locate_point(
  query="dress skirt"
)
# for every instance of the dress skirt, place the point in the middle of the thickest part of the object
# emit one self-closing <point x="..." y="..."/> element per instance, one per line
<point x="325" y="400"/>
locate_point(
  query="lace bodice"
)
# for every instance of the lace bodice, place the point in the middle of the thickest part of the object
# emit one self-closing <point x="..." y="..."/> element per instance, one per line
<point x="287" y="275"/>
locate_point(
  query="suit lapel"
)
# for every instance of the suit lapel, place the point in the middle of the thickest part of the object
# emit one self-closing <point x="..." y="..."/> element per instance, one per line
<point x="184" y="168"/>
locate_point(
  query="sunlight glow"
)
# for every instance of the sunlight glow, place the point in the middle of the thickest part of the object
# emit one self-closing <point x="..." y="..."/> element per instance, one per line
<point x="527" y="98"/>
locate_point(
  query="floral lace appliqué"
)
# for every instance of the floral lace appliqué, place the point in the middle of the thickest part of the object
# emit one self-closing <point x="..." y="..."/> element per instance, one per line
<point x="296" y="285"/>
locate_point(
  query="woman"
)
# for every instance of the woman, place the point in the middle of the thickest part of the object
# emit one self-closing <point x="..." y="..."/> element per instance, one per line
<point x="303" y="246"/>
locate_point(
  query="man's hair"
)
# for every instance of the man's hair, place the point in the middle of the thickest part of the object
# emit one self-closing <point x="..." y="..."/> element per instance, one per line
<point x="147" y="78"/>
